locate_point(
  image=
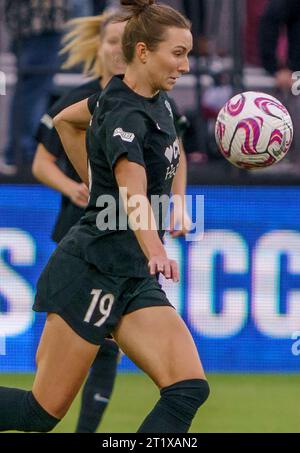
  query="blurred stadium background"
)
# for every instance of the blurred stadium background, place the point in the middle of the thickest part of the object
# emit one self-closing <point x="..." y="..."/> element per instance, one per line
<point x="240" y="287"/>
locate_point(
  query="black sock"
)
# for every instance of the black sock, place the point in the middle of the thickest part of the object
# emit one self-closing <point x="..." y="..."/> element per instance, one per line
<point x="98" y="388"/>
<point x="20" y="411"/>
<point x="176" y="408"/>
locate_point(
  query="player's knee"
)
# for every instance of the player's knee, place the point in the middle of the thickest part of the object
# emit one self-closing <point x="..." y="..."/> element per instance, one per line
<point x="186" y="396"/>
<point x="203" y="391"/>
<point x="33" y="417"/>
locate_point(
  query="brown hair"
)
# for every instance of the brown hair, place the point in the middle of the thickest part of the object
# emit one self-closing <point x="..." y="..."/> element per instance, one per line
<point x="147" y="22"/>
<point x="81" y="42"/>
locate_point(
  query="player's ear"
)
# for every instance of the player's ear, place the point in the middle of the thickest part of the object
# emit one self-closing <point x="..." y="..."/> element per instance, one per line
<point x="142" y="52"/>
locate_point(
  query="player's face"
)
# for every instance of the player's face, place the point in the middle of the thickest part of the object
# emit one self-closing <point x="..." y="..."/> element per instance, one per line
<point x="170" y="60"/>
<point x="110" y="51"/>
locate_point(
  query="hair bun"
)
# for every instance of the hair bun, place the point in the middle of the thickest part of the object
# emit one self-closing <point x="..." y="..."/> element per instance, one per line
<point x="137" y="6"/>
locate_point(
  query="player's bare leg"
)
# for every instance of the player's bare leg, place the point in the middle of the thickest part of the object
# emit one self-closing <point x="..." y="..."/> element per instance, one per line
<point x="158" y="341"/>
<point x="63" y="361"/>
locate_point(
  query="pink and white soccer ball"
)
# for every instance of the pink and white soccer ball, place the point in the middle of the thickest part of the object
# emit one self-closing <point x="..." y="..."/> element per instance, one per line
<point x="254" y="130"/>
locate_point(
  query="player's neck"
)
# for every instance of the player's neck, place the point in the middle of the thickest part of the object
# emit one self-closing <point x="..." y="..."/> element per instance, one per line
<point x="139" y="84"/>
<point x="103" y="81"/>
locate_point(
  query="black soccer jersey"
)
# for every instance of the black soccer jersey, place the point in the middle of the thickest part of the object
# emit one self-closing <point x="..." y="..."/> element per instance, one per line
<point x="69" y="213"/>
<point x="180" y="121"/>
<point x="142" y="129"/>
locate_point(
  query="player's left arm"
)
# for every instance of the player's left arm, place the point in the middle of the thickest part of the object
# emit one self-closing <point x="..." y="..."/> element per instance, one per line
<point x="71" y="124"/>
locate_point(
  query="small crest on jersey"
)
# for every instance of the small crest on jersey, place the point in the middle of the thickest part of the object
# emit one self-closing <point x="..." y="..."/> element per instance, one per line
<point x="125" y="136"/>
<point x="47" y="121"/>
<point x="168" y="105"/>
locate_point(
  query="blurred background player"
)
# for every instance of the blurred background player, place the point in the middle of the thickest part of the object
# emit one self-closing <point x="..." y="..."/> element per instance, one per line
<point x="95" y="43"/>
<point x="280" y="16"/>
<point x="35" y="28"/>
<point x="279" y="37"/>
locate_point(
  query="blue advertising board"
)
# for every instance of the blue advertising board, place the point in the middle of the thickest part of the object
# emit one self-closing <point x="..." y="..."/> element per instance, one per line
<point x="240" y="282"/>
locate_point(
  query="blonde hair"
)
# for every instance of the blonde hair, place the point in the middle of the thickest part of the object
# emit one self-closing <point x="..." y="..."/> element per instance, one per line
<point x="81" y="42"/>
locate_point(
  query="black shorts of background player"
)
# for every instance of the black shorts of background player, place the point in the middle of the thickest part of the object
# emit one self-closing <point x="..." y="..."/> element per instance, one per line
<point x="101" y="278"/>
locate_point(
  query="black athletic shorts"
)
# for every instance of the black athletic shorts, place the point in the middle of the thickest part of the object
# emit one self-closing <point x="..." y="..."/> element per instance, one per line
<point x="92" y="303"/>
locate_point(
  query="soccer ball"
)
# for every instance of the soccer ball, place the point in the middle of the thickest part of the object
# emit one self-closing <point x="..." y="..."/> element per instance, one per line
<point x="254" y="130"/>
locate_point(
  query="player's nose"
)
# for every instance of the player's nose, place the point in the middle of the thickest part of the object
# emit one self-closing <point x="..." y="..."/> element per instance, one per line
<point x="184" y="66"/>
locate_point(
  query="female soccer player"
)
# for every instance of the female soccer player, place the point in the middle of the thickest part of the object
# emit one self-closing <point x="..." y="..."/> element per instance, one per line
<point x="95" y="43"/>
<point x="101" y="278"/>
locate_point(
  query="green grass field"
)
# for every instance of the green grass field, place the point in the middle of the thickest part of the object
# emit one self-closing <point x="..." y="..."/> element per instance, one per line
<point x="238" y="403"/>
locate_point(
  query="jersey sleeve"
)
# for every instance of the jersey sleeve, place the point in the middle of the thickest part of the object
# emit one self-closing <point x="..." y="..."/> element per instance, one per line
<point x="125" y="136"/>
<point x="48" y="136"/>
<point x="46" y="133"/>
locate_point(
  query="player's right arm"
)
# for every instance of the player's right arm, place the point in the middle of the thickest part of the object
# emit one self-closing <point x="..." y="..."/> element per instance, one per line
<point x="46" y="171"/>
<point x="71" y="124"/>
<point x="132" y="176"/>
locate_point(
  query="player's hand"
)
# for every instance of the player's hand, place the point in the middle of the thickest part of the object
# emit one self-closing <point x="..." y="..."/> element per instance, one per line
<point x="180" y="224"/>
<point x="79" y="194"/>
<point x="162" y="264"/>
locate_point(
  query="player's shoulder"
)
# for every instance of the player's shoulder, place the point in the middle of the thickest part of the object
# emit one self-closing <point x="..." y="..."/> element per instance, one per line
<point x="75" y="95"/>
<point x="116" y="92"/>
<point x="119" y="103"/>
<point x="120" y="117"/>
<point x="119" y="94"/>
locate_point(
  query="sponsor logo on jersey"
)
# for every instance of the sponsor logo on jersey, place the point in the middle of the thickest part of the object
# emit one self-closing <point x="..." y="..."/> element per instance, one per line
<point x="168" y="105"/>
<point x="125" y="136"/>
<point x="172" y="151"/>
